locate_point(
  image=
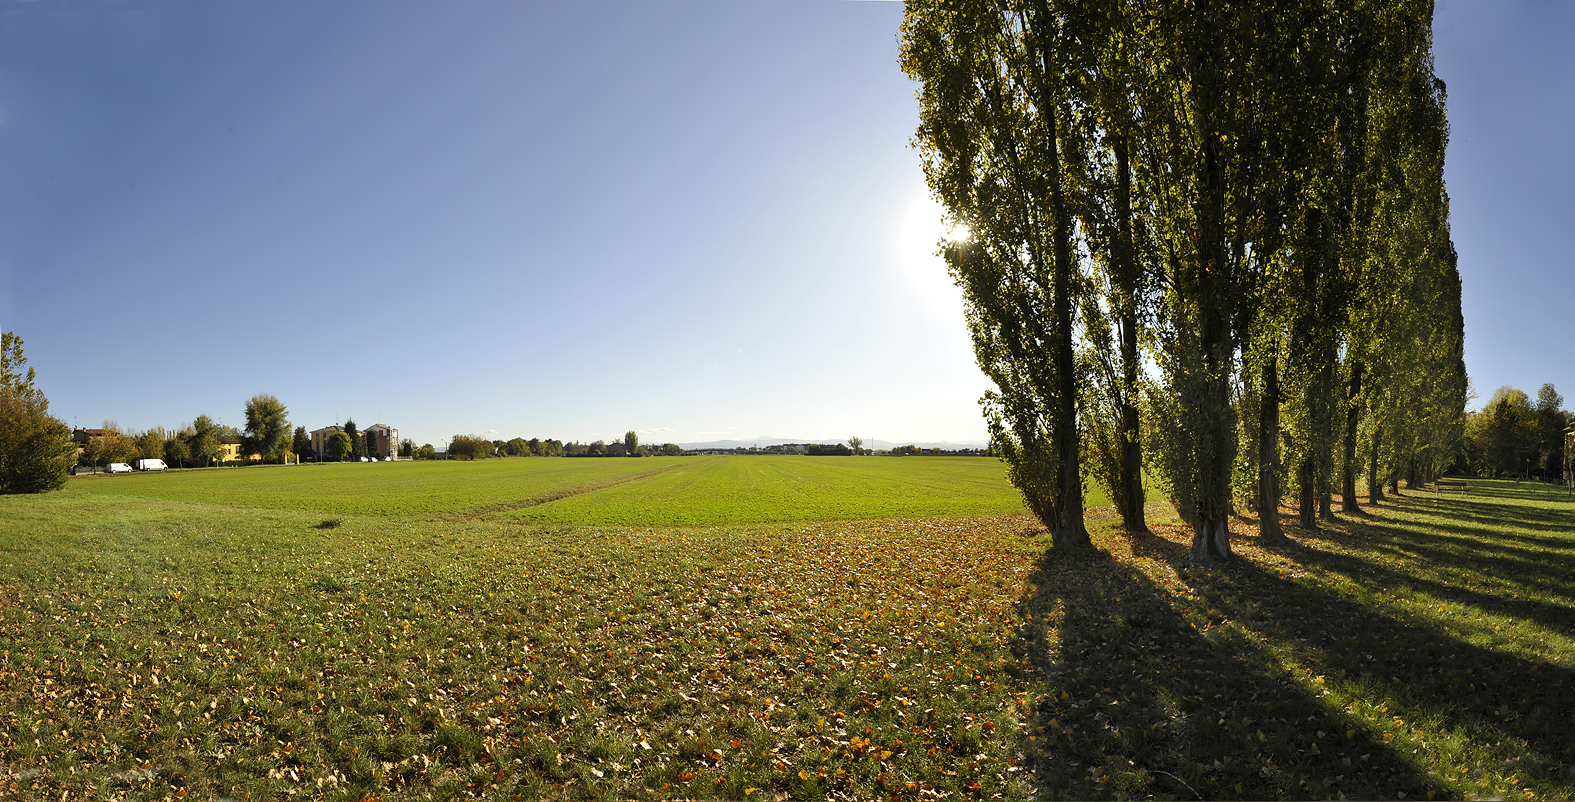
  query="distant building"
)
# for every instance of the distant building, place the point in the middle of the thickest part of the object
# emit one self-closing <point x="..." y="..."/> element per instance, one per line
<point x="382" y="441"/>
<point x="320" y="439"/>
<point x="84" y="436"/>
<point x="230" y="449"/>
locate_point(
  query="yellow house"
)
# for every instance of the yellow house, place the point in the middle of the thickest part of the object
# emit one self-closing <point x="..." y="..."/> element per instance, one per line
<point x="230" y="449"/>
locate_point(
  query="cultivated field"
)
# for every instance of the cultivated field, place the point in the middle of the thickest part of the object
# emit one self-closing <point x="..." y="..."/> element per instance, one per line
<point x="211" y="634"/>
<point x="640" y="492"/>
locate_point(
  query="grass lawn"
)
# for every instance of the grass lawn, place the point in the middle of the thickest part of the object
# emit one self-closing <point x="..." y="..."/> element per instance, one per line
<point x="222" y="642"/>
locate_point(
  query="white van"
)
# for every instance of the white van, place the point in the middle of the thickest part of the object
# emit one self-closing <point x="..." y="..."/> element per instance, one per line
<point x="149" y="465"/>
<point x="117" y="467"/>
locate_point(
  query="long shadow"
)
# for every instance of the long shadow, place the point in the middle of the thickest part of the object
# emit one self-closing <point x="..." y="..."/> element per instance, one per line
<point x="1141" y="701"/>
<point x="1485" y="513"/>
<point x="1472" y="551"/>
<point x="1534" y="491"/>
<point x="1484" y="560"/>
<point x="1493" y="694"/>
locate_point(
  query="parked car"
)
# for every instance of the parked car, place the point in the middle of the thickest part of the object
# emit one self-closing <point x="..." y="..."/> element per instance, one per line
<point x="117" y="467"/>
<point x="149" y="465"/>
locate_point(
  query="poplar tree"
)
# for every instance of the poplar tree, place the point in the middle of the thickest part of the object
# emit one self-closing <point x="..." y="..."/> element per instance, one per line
<point x="993" y="109"/>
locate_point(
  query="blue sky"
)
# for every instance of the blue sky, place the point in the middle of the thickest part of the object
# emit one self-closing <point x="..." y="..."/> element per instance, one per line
<point x="697" y="220"/>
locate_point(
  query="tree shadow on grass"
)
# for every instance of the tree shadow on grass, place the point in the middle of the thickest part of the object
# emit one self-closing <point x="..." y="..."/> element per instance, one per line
<point x="1531" y="491"/>
<point x="1488" y="695"/>
<point x="1150" y="691"/>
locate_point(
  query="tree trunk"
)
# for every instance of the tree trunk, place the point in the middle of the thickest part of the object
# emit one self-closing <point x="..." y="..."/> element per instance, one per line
<point x="1126" y="274"/>
<point x="1215" y="436"/>
<point x="1306" y="497"/>
<point x="1352" y="418"/>
<point x="1375" y="488"/>
<point x="1269" y="530"/>
<point x="1070" y="531"/>
<point x="1326" y="436"/>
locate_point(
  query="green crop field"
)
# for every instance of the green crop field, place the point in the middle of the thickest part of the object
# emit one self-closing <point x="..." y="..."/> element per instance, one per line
<point x="381" y="488"/>
<point x="229" y="634"/>
<point x="659" y="491"/>
<point x="728" y="490"/>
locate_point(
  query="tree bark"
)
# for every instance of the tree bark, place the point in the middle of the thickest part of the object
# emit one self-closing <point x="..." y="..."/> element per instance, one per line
<point x="1352" y="418"/>
<point x="1215" y="437"/>
<point x="1070" y="530"/>
<point x="1326" y="437"/>
<point x="1375" y="488"/>
<point x="1126" y="274"/>
<point x="1269" y="529"/>
<point x="1306" y="497"/>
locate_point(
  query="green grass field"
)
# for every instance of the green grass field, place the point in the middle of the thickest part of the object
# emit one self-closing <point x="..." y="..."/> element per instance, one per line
<point x="209" y="634"/>
<point x="661" y="491"/>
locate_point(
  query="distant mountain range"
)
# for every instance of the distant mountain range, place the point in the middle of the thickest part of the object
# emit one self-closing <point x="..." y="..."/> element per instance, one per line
<point x="876" y="445"/>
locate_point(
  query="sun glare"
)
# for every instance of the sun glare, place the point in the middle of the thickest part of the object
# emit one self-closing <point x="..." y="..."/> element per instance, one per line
<point x="919" y="234"/>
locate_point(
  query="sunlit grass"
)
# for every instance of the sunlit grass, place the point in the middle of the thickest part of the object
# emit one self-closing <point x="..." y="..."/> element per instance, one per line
<point x="732" y="490"/>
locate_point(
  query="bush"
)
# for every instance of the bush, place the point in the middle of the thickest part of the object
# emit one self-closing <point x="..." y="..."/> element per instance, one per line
<point x="35" y="449"/>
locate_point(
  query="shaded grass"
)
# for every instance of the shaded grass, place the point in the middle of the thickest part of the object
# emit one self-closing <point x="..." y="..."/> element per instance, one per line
<point x="1426" y="651"/>
<point x="151" y="648"/>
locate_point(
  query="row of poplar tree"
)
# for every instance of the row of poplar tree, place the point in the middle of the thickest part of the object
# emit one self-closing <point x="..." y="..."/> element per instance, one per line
<point x="1207" y="237"/>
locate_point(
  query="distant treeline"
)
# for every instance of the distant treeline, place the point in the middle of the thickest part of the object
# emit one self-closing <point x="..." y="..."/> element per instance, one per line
<point x="1516" y="436"/>
<point x="473" y="447"/>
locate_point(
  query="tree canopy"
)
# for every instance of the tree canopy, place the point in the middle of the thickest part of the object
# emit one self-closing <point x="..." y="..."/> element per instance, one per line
<point x="267" y="432"/>
<point x="35" y="448"/>
<point x="1246" y="197"/>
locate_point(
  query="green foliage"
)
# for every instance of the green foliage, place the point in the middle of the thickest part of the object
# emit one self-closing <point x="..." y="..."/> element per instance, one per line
<point x="176" y="452"/>
<point x="202" y="438"/>
<point x="1260" y="215"/>
<point x="267" y="431"/>
<point x="150" y="444"/>
<point x="992" y="110"/>
<point x="466" y="447"/>
<point x="111" y="446"/>
<point x="338" y="446"/>
<point x="1510" y="436"/>
<point x="12" y="378"/>
<point x="631" y="444"/>
<point x="35" y="448"/>
<point x="301" y="442"/>
<point x="357" y="442"/>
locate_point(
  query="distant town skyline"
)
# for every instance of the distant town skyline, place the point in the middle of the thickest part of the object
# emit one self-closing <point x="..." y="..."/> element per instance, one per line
<point x="699" y="221"/>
